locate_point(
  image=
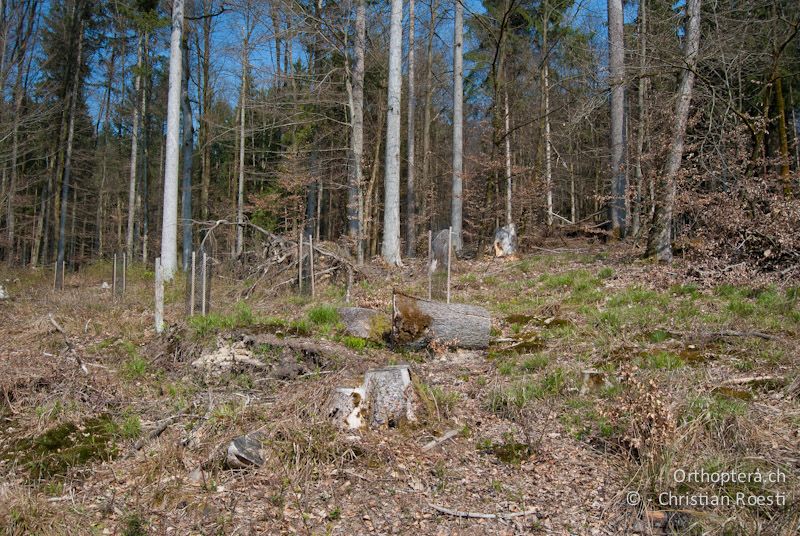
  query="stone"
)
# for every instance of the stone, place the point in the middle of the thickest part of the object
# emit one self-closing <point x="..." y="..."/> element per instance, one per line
<point x="3" y="293"/>
<point x="244" y="452"/>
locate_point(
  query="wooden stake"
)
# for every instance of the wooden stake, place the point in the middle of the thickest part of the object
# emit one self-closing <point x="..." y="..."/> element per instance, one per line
<point x="114" y="278"/>
<point x="430" y="261"/>
<point x="300" y="263"/>
<point x="449" y="256"/>
<point x="311" y="259"/>
<point x="63" y="273"/>
<point x="124" y="272"/>
<point x="159" y="297"/>
<point x="203" y="284"/>
<point x="192" y="284"/>
<point x="349" y="283"/>
<point x="55" y="276"/>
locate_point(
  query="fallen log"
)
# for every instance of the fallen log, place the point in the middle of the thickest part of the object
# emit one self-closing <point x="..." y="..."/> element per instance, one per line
<point x="417" y="322"/>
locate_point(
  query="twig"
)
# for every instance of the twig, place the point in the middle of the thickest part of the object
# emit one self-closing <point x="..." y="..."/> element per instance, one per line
<point x="157" y="431"/>
<point x="439" y="440"/>
<point x="479" y="515"/>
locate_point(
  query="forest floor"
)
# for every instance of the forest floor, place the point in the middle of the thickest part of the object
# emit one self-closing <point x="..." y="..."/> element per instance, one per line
<point x="107" y="428"/>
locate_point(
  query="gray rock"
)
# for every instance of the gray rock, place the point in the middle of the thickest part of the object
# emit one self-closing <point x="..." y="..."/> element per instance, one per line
<point x="3" y="293"/>
<point x="245" y="452"/>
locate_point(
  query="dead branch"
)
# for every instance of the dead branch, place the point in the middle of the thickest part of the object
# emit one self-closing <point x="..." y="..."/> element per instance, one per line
<point x="439" y="440"/>
<point x="479" y="515"/>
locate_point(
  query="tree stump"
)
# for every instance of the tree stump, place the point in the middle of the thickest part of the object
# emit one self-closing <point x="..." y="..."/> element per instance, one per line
<point x="346" y="407"/>
<point x="505" y="241"/>
<point x="358" y="321"/>
<point x="417" y="323"/>
<point x="385" y="399"/>
<point x="390" y="396"/>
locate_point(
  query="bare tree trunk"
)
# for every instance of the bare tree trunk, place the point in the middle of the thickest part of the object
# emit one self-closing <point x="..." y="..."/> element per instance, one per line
<point x="456" y="202"/>
<point x="659" y="241"/>
<point x="509" y="217"/>
<point x="411" y="203"/>
<point x="616" y="63"/>
<point x="390" y="249"/>
<point x="205" y="138"/>
<point x="355" y="201"/>
<point x="188" y="149"/>
<point x="548" y="171"/>
<point x="427" y="181"/>
<point x="784" y="140"/>
<point x="73" y="102"/>
<point x="134" y="150"/>
<point x="640" y="130"/>
<point x="169" y="226"/>
<point x="243" y="98"/>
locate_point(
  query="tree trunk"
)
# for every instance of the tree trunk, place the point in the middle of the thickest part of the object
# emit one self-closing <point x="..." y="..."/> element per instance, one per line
<point x="417" y="323"/>
<point x="188" y="149"/>
<point x="205" y="126"/>
<point x="548" y="168"/>
<point x="390" y="249"/>
<point x="456" y="202"/>
<point x="134" y="151"/>
<point x="169" y="225"/>
<point x="660" y="237"/>
<point x="640" y="130"/>
<point x="411" y="204"/>
<point x="355" y="201"/>
<point x="427" y="181"/>
<point x="242" y="100"/>
<point x="784" y="140"/>
<point x="507" y="114"/>
<point x="73" y="104"/>
<point x="616" y="63"/>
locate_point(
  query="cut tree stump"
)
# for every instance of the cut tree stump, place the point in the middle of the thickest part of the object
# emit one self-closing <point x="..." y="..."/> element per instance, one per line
<point x="386" y="399"/>
<point x="390" y="396"/>
<point x="358" y="321"/>
<point x="505" y="241"/>
<point x="417" y="322"/>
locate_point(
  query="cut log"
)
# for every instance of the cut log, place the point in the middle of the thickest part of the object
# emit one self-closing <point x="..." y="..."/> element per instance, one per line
<point x="417" y="323"/>
<point x="505" y="241"/>
<point x="438" y="262"/>
<point x="359" y="321"/>
<point x="390" y="396"/>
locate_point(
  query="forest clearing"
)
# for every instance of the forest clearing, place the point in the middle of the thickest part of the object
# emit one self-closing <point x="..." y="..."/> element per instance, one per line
<point x="693" y="375"/>
<point x="428" y="267"/>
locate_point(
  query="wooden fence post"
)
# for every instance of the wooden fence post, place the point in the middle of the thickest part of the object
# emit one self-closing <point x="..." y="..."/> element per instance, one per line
<point x="311" y="261"/>
<point x="192" y="284"/>
<point x="430" y="262"/>
<point x="114" y="278"/>
<point x="159" y="297"/>
<point x="449" y="257"/>
<point x="203" y="284"/>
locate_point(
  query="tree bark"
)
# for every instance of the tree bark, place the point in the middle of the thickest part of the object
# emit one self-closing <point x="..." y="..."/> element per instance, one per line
<point x="640" y="130"/>
<point x="73" y="104"/>
<point x="188" y="149"/>
<point x="390" y="249"/>
<point x="169" y="225"/>
<point x="411" y="204"/>
<point x="134" y="151"/>
<point x="616" y="63"/>
<point x="660" y="236"/>
<point x="205" y="126"/>
<point x="507" y="114"/>
<point x="242" y="99"/>
<point x="456" y="202"/>
<point x="427" y="181"/>
<point x="355" y="201"/>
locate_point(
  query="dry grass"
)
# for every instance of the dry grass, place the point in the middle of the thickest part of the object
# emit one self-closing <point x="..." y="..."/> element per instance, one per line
<point x="528" y="437"/>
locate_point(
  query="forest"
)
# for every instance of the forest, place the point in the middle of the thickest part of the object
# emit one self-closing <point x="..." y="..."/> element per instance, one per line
<point x="433" y="267"/>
